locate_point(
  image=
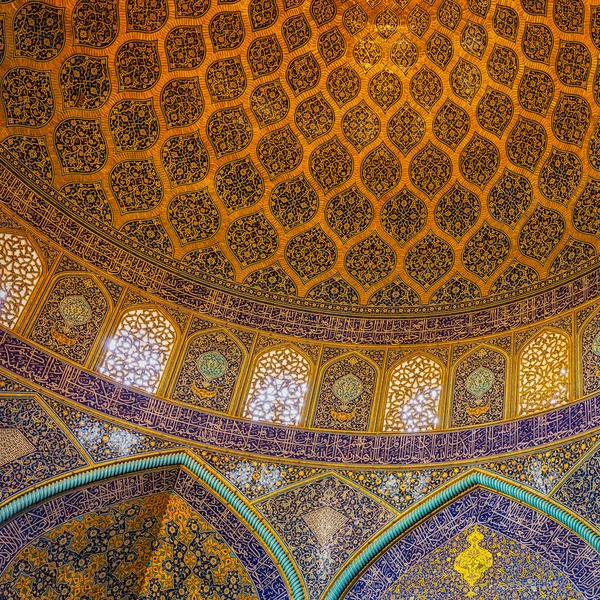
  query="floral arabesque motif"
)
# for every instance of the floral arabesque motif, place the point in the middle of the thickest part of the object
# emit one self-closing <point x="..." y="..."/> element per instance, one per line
<point x="414" y="393"/>
<point x="139" y="349"/>
<point x="278" y="387"/>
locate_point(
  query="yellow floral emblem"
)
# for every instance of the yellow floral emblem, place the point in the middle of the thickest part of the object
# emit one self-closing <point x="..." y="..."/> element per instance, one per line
<point x="473" y="562"/>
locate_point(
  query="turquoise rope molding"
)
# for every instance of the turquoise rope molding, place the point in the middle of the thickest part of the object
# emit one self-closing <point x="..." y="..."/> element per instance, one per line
<point x="471" y="480"/>
<point x="181" y="459"/>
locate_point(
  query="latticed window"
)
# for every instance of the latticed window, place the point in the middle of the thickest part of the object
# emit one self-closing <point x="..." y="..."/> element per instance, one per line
<point x="278" y="387"/>
<point x="20" y="270"/>
<point x="138" y="352"/>
<point x="544" y="373"/>
<point x="414" y="392"/>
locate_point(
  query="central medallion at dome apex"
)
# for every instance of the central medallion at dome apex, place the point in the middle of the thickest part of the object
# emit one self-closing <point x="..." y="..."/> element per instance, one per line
<point x="385" y="155"/>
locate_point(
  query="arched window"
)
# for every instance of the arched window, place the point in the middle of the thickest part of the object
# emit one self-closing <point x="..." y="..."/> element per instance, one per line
<point x="20" y="270"/>
<point x="414" y="396"/>
<point x="138" y="352"/>
<point x="278" y="387"/>
<point x="544" y="373"/>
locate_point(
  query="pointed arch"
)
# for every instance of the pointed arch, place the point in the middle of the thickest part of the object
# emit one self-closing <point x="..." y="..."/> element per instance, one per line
<point x="229" y="500"/>
<point x="21" y="268"/>
<point x="278" y="386"/>
<point x="588" y="360"/>
<point x="347" y="389"/>
<point x="468" y="482"/>
<point x="544" y="372"/>
<point x="479" y="384"/>
<point x="71" y="314"/>
<point x="414" y="394"/>
<point x="139" y="349"/>
<point x="209" y="369"/>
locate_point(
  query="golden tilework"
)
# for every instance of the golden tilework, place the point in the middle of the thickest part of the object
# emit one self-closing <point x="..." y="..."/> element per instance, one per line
<point x="300" y="167"/>
<point x="375" y="208"/>
<point x="473" y="562"/>
<point x="152" y="547"/>
<point x="383" y="154"/>
<point x="92" y="325"/>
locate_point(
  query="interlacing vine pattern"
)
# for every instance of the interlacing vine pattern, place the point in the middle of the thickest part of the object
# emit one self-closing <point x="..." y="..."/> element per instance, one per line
<point x="20" y="270"/>
<point x="544" y="373"/>
<point x="139" y="350"/>
<point x="414" y="396"/>
<point x="278" y="388"/>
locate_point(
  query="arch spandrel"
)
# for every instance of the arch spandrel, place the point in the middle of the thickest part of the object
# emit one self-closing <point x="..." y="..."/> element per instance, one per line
<point x="103" y="501"/>
<point x="431" y="549"/>
<point x="141" y="547"/>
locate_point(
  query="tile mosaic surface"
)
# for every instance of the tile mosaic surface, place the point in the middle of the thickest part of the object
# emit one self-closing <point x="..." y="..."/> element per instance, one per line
<point x="431" y="69"/>
<point x="103" y="440"/>
<point x="21" y="358"/>
<point x="122" y="524"/>
<point x="322" y="522"/>
<point x="531" y="538"/>
<point x="579" y="492"/>
<point x="43" y="451"/>
<point x="151" y="547"/>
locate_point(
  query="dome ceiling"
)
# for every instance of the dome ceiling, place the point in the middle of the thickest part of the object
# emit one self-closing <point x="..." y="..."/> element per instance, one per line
<point x="389" y="155"/>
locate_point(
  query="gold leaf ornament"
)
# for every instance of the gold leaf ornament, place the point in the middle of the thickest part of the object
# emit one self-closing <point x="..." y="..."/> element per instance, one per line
<point x="473" y="562"/>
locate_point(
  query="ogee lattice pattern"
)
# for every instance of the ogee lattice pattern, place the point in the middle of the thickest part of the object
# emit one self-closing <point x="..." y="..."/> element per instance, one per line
<point x="317" y="149"/>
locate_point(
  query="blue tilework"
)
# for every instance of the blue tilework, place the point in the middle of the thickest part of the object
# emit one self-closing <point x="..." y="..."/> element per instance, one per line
<point x="361" y="517"/>
<point x="536" y="531"/>
<point x="225" y="433"/>
<point x="54" y="452"/>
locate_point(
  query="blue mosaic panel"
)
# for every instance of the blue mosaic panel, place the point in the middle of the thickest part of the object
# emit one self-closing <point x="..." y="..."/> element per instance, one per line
<point x="47" y="451"/>
<point x="402" y="489"/>
<point x="479" y="388"/>
<point x="209" y="372"/>
<point x="543" y="470"/>
<point x="71" y="317"/>
<point x="590" y="356"/>
<point x="322" y="522"/>
<point x="346" y="394"/>
<point x="581" y="490"/>
<point x="504" y="569"/>
<point x="535" y="533"/>
<point x="103" y="440"/>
